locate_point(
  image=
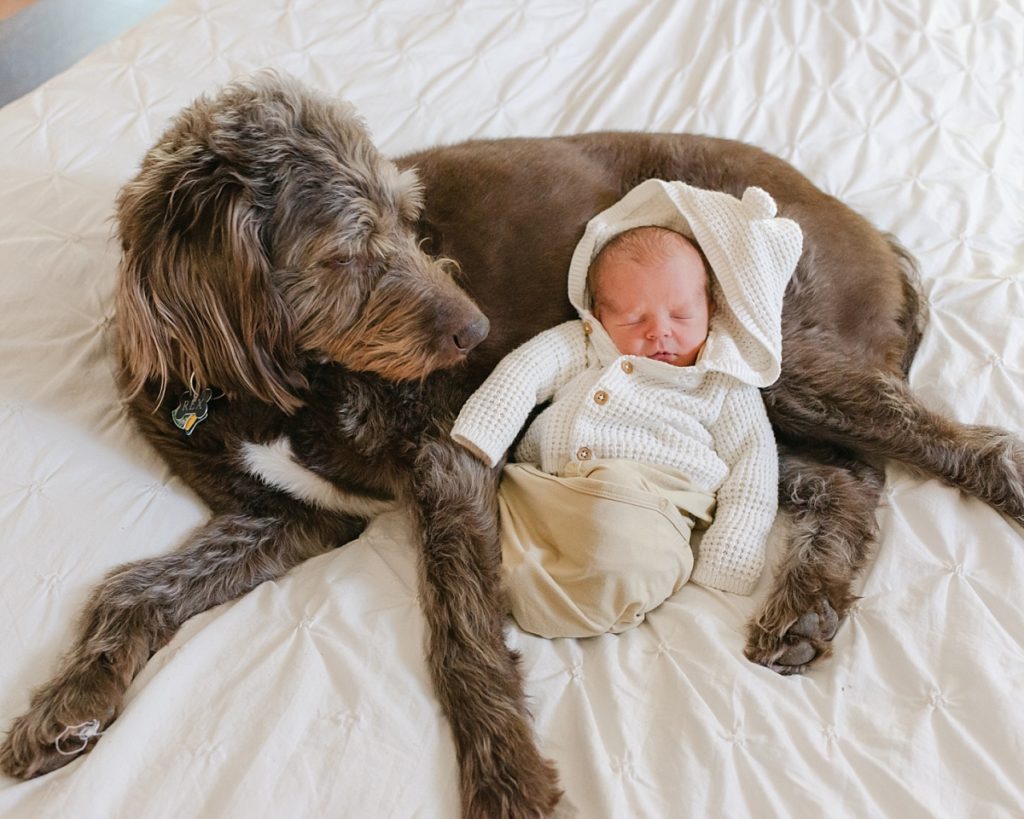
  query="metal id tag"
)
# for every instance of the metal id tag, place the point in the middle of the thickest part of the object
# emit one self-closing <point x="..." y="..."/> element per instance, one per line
<point x="192" y="410"/>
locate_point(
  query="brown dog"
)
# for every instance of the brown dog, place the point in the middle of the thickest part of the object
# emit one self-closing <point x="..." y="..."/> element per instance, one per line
<point x="293" y="343"/>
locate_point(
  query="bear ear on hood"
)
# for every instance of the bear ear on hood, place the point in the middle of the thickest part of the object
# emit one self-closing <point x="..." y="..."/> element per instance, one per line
<point x="759" y="203"/>
<point x="752" y="254"/>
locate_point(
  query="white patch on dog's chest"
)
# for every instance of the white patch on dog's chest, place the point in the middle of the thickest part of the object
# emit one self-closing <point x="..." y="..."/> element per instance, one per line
<point x="275" y="465"/>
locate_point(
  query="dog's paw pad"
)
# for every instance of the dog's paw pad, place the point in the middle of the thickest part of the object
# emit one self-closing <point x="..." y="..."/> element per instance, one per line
<point x="792" y="649"/>
<point x="797" y="654"/>
<point x="817" y="625"/>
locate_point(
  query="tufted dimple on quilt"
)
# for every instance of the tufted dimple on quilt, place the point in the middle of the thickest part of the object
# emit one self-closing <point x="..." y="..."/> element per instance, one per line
<point x="310" y="696"/>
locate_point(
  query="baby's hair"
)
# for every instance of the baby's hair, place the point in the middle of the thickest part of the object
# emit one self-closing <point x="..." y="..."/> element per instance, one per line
<point x="643" y="244"/>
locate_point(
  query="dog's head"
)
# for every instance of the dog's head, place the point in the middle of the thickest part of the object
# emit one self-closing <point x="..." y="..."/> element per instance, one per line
<point x="265" y="228"/>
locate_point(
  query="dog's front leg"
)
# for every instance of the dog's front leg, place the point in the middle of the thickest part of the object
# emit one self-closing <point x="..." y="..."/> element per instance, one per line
<point x="475" y="674"/>
<point x="832" y="502"/>
<point x="135" y="611"/>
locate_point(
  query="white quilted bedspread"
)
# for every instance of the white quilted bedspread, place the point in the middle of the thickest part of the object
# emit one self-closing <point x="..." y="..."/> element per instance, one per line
<point x="309" y="697"/>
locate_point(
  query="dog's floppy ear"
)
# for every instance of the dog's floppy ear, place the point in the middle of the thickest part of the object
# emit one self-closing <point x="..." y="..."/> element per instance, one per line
<point x="195" y="302"/>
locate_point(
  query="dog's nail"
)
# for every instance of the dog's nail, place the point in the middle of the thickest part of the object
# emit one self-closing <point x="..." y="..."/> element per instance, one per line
<point x="830" y="622"/>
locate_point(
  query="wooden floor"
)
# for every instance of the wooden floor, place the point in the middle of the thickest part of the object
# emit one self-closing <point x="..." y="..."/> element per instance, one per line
<point x="41" y="38"/>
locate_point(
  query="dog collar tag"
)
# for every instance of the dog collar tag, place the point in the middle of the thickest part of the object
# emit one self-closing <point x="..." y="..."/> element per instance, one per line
<point x="191" y="410"/>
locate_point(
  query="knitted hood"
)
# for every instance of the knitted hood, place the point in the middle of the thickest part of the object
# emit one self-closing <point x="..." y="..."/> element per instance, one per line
<point x="752" y="254"/>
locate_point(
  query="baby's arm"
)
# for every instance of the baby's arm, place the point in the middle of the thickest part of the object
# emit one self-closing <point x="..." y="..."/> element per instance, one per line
<point x="529" y="375"/>
<point x="733" y="549"/>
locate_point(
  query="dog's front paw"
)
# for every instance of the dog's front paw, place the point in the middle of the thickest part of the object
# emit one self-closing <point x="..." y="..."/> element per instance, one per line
<point x="523" y="787"/>
<point x="789" y="645"/>
<point x="37" y="744"/>
<point x="535" y="799"/>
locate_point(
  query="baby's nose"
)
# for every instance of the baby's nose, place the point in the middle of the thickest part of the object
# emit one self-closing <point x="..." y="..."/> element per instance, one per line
<point x="658" y="329"/>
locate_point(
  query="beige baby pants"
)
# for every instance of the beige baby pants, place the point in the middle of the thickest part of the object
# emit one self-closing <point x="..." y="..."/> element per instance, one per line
<point x="594" y="552"/>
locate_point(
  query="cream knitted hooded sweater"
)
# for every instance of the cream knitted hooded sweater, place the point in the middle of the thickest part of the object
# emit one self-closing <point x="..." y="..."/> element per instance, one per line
<point x="707" y="421"/>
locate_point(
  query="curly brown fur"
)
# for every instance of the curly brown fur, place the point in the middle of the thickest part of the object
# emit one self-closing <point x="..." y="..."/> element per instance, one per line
<point x="265" y="227"/>
<point x="269" y="253"/>
<point x="138" y="607"/>
<point x="475" y="675"/>
<point x="272" y="255"/>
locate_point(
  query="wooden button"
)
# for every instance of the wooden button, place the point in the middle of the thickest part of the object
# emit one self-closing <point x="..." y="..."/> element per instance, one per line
<point x="600" y="397"/>
<point x="584" y="453"/>
<point x="627" y="367"/>
<point x="587" y="329"/>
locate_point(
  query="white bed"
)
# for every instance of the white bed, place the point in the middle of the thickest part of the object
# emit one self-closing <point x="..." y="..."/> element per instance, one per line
<point x="309" y="697"/>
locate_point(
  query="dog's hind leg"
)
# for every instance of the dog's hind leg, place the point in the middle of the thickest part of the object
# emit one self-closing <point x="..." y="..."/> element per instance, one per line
<point x="134" y="611"/>
<point x="876" y="414"/>
<point x="832" y="500"/>
<point x="832" y="407"/>
<point x="475" y="674"/>
<point x="983" y="461"/>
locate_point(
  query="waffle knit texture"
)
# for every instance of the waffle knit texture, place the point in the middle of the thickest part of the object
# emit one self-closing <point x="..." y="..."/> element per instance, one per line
<point x="707" y="421"/>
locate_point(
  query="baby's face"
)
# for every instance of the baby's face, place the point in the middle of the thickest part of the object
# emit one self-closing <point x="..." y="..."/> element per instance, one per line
<point x="658" y="308"/>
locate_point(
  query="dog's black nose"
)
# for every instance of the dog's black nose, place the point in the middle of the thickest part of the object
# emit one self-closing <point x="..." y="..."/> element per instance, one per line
<point x="472" y="334"/>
